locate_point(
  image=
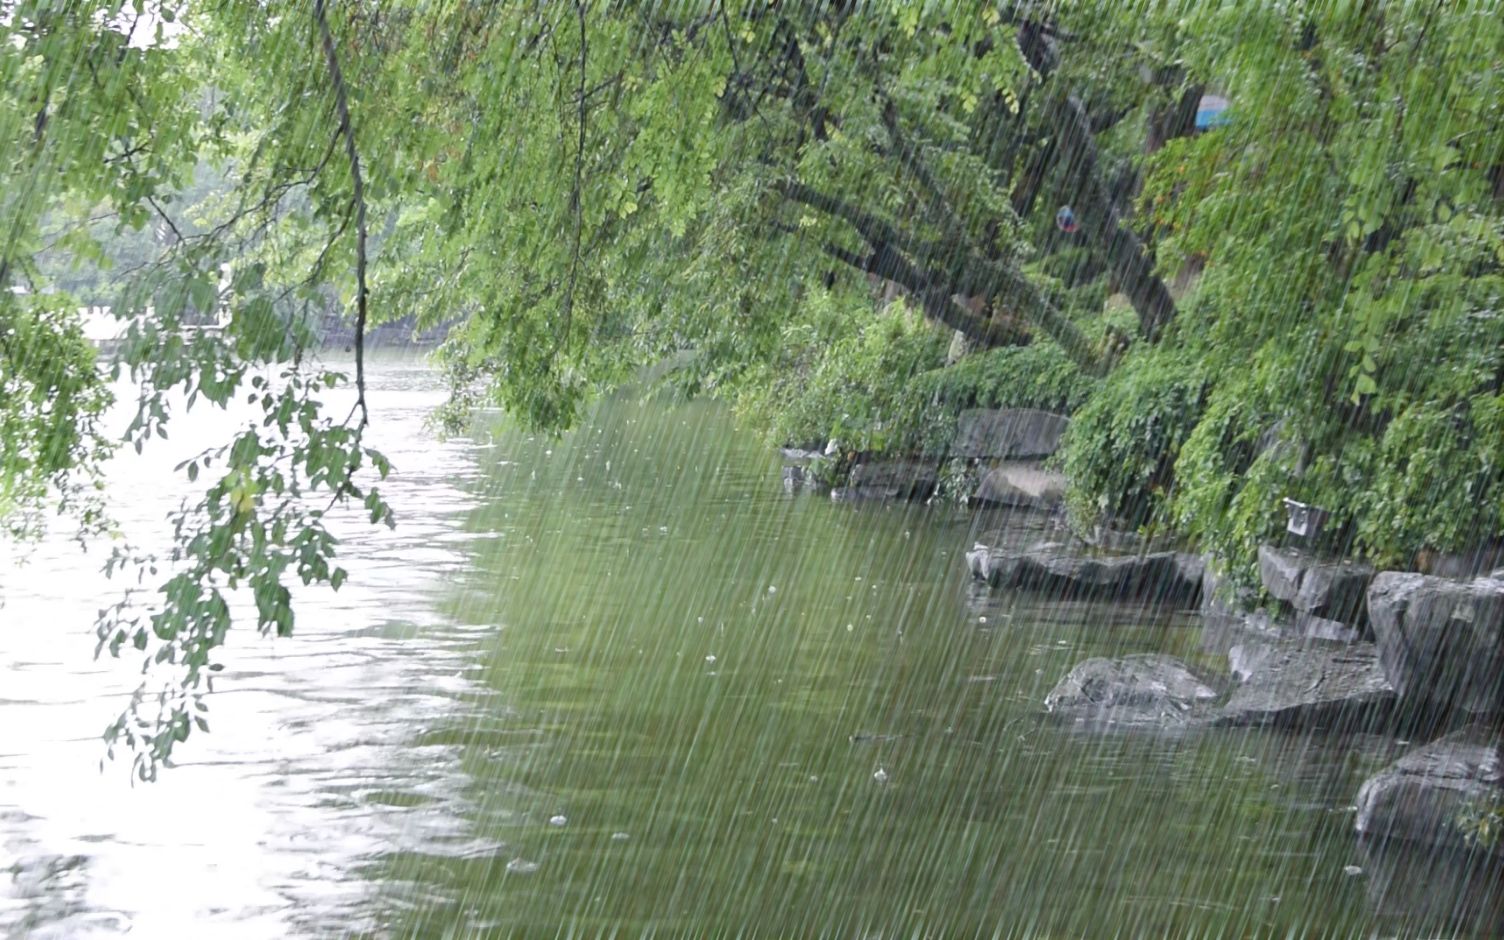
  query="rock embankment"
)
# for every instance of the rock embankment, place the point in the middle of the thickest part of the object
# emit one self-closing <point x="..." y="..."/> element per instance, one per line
<point x="1436" y="659"/>
<point x="1331" y="687"/>
<point x="1339" y="687"/>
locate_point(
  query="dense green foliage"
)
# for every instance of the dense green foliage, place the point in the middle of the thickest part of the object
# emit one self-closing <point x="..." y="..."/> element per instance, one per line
<point x="581" y="190"/>
<point x="881" y="381"/>
<point x="1346" y="347"/>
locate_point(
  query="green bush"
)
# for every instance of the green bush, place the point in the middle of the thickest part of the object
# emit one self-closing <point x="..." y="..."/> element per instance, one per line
<point x="847" y="373"/>
<point x="1120" y="451"/>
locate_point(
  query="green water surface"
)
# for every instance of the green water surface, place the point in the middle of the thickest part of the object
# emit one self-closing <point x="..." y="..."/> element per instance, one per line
<point x="712" y="708"/>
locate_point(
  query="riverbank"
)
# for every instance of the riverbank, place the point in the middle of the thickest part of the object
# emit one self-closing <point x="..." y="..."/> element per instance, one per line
<point x="1321" y="645"/>
<point x="1336" y="649"/>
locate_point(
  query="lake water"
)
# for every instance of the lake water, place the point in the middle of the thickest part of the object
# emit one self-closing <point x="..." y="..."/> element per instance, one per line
<point x="621" y="683"/>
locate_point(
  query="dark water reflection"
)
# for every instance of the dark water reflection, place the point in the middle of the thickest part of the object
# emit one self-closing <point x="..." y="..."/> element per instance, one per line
<point x="620" y="683"/>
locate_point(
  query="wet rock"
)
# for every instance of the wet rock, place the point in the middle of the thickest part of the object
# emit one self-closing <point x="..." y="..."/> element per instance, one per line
<point x="1001" y="568"/>
<point x="976" y="561"/>
<point x="795" y="478"/>
<point x="1071" y="570"/>
<point x="891" y="479"/>
<point x="1441" y="641"/>
<point x="1007" y="433"/>
<point x="800" y="456"/>
<point x="1190" y="567"/>
<point x="1307" y="685"/>
<point x="1024" y="485"/>
<point x="1422" y="796"/>
<point x="1145" y="689"/>
<point x="801" y="469"/>
<point x="1107" y="539"/>
<point x="1246" y="658"/>
<point x="1331" y="590"/>
<point x="1310" y="626"/>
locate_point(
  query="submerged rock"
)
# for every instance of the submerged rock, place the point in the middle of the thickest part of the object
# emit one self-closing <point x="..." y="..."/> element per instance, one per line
<point x="1423" y="796"/>
<point x="1441" y="642"/>
<point x="1143" y="689"/>
<point x="1306" y="685"/>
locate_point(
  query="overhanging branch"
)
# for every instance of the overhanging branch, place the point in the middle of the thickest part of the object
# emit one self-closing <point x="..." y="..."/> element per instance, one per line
<point x="347" y="130"/>
<point x="910" y="262"/>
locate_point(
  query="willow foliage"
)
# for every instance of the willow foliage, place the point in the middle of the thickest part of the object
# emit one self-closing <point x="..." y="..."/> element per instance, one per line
<point x="577" y="190"/>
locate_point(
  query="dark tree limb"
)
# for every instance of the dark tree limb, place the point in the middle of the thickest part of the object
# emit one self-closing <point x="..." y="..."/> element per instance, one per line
<point x="907" y="261"/>
<point x="1129" y="259"/>
<point x="1032" y="182"/>
<point x="1127" y="256"/>
<point x="576" y="197"/>
<point x="1178" y="120"/>
<point x="913" y="161"/>
<point x="347" y="130"/>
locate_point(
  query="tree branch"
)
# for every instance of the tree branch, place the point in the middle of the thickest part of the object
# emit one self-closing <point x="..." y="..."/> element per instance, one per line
<point x="1129" y="258"/>
<point x="576" y="199"/>
<point x="972" y="276"/>
<point x="347" y="130"/>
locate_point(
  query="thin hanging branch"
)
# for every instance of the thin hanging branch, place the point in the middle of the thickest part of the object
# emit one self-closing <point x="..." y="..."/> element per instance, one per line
<point x="347" y="130"/>
<point x="576" y="197"/>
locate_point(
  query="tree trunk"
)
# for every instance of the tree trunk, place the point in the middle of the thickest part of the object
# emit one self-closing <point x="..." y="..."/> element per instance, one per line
<point x="1127" y="256"/>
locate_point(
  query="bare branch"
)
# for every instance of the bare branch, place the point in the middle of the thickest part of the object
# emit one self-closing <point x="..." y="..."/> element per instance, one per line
<point x="347" y="130"/>
<point x="576" y="200"/>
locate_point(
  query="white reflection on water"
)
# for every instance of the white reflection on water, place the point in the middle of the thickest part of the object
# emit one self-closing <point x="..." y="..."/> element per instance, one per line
<point x="309" y="772"/>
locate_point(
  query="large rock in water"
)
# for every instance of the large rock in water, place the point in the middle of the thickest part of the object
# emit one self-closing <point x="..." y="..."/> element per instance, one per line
<point x="1145" y="689"/>
<point x="1077" y="572"/>
<point x="890" y="479"/>
<point x="1307" y="685"/>
<point x="1441" y="642"/>
<point x="1331" y="590"/>
<point x="1421" y="796"/>
<point x="1023" y="485"/>
<point x="1007" y="433"/>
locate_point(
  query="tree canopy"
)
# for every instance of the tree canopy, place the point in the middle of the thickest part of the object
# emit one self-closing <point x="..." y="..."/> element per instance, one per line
<point x="1304" y="301"/>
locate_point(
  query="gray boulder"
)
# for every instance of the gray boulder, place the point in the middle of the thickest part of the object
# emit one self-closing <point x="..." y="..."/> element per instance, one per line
<point x="891" y="479"/>
<point x="1421" y="796"/>
<point x="1331" y="590"/>
<point x="1070" y="570"/>
<point x="1441" y="642"/>
<point x="976" y="559"/>
<point x="1145" y="689"/>
<point x="1024" y="485"/>
<point x="800" y="456"/>
<point x="1007" y="433"/>
<point x="1455" y="894"/>
<point x="1307" y="685"/>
